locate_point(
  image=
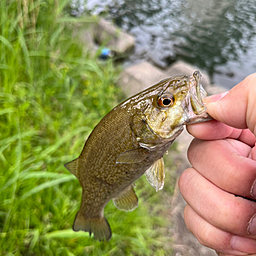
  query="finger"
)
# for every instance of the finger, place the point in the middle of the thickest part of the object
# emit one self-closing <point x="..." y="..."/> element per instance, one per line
<point x="215" y="238"/>
<point x="253" y="153"/>
<point x="237" y="107"/>
<point x="221" y="209"/>
<point x="215" y="130"/>
<point x="225" y="254"/>
<point x="223" y="161"/>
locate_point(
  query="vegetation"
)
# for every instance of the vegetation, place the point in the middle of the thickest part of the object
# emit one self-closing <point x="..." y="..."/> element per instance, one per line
<point x="52" y="93"/>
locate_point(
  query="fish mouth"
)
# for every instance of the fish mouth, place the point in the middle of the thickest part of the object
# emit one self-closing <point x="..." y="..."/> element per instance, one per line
<point x="196" y="111"/>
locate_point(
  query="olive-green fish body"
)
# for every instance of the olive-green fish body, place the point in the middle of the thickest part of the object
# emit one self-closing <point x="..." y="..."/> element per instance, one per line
<point x="130" y="141"/>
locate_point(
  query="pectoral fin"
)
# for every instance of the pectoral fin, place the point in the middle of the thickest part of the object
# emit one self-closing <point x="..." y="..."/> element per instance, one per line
<point x="132" y="156"/>
<point x="155" y="174"/>
<point x="127" y="200"/>
<point x="73" y="166"/>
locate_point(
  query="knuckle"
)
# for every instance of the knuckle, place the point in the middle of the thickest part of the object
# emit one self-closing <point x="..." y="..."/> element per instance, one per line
<point x="185" y="180"/>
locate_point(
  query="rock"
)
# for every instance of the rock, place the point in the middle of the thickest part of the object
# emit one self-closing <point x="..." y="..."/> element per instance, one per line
<point x="183" y="68"/>
<point x="87" y="37"/>
<point x="138" y="77"/>
<point x="103" y="33"/>
<point x="107" y="34"/>
<point x="215" y="89"/>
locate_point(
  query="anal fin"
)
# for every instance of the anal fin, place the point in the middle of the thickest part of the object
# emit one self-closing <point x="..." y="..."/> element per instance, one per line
<point x="99" y="227"/>
<point x="127" y="200"/>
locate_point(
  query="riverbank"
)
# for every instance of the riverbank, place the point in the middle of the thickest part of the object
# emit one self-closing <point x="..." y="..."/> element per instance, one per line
<point x="218" y="37"/>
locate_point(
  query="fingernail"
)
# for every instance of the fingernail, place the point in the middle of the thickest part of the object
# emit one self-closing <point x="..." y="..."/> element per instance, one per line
<point x="243" y="244"/>
<point x="214" y="98"/>
<point x="252" y="225"/>
<point x="253" y="189"/>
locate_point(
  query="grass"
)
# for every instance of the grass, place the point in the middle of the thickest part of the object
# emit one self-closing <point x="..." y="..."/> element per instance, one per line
<point x="52" y="93"/>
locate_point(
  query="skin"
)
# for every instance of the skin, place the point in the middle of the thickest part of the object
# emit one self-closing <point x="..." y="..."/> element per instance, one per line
<point x="223" y="159"/>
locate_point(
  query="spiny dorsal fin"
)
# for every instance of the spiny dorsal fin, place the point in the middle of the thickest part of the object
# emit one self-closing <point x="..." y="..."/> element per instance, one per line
<point x="73" y="166"/>
<point x="127" y="200"/>
<point x="132" y="156"/>
<point x="98" y="226"/>
<point x="155" y="174"/>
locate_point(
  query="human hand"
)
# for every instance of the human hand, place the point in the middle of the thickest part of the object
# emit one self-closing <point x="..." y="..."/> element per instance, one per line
<point x="223" y="173"/>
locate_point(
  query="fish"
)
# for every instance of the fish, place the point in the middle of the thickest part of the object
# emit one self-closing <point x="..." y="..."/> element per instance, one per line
<point x="130" y="141"/>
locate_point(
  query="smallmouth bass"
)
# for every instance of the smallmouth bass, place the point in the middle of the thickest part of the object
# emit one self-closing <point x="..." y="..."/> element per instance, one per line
<point x="130" y="141"/>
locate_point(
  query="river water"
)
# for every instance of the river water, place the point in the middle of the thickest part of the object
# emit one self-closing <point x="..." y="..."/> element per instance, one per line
<point x="218" y="36"/>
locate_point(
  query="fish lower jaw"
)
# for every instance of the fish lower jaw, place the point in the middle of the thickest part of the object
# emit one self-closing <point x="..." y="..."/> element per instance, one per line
<point x="203" y="117"/>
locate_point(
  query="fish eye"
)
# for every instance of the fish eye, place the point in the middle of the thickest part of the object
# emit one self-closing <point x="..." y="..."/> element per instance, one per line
<point x="166" y="100"/>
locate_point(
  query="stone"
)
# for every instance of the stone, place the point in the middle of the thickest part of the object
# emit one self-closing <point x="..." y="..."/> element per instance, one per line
<point x="87" y="37"/>
<point x="215" y="89"/>
<point x="107" y="34"/>
<point x="138" y="77"/>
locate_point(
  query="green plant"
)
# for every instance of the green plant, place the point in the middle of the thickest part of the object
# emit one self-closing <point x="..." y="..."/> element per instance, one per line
<point x="52" y="93"/>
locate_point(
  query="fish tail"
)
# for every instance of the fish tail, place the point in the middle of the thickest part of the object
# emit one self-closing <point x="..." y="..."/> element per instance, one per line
<point x="98" y="226"/>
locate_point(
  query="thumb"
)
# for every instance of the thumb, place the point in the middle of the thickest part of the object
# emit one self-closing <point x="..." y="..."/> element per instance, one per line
<point x="237" y="107"/>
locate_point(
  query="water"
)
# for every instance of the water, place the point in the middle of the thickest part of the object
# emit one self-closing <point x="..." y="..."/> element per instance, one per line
<point x="218" y="36"/>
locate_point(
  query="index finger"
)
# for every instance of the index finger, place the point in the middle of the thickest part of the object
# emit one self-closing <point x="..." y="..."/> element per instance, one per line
<point x="215" y="130"/>
<point x="237" y="107"/>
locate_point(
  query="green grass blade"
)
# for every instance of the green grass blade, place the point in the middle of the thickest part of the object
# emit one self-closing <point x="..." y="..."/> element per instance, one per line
<point x="48" y="184"/>
<point x="68" y="233"/>
<point x="6" y="111"/>
<point x="47" y="175"/>
<point x="50" y="150"/>
<point x="7" y="44"/>
<point x="8" y="141"/>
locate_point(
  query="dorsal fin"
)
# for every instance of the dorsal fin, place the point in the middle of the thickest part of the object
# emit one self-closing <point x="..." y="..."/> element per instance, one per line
<point x="126" y="200"/>
<point x="73" y="166"/>
<point x="155" y="174"/>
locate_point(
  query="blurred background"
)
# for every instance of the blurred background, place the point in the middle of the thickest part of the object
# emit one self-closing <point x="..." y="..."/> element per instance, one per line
<point x="54" y="89"/>
<point x="218" y="36"/>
